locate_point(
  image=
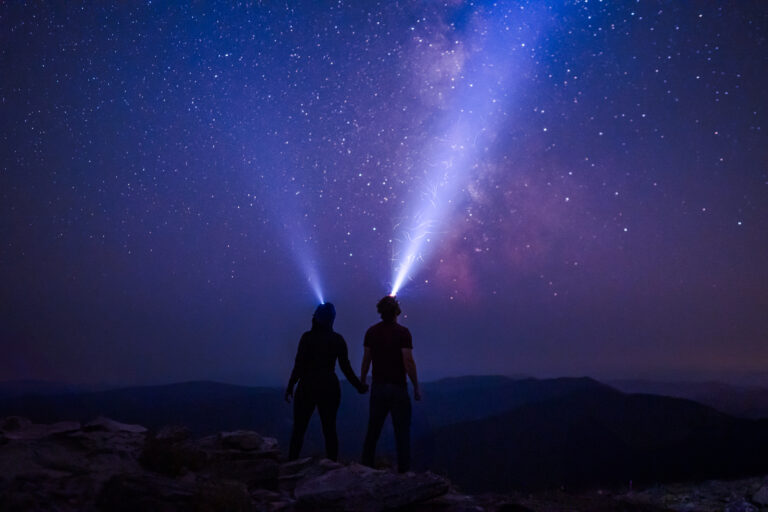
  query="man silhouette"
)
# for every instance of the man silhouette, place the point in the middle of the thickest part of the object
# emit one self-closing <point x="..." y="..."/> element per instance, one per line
<point x="388" y="346"/>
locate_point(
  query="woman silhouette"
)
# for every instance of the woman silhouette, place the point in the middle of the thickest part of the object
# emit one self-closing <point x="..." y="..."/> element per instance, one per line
<point x="315" y="372"/>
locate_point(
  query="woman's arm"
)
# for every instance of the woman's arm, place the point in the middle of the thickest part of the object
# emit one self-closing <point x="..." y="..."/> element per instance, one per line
<point x="298" y="368"/>
<point x="346" y="367"/>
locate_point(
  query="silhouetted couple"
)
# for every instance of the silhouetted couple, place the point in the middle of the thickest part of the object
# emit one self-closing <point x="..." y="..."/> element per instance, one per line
<point x="388" y="347"/>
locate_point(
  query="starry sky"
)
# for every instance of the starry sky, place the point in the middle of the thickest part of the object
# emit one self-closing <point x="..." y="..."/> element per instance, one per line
<point x="575" y="187"/>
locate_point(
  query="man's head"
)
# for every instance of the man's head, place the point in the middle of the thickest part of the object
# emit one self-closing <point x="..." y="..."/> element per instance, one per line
<point x="324" y="315"/>
<point x="388" y="308"/>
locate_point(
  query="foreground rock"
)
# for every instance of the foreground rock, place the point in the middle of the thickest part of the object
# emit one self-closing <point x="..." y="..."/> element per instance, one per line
<point x="744" y="495"/>
<point x="107" y="465"/>
<point x="761" y="496"/>
<point x="359" y="488"/>
<point x="112" y="466"/>
<point x="62" y="466"/>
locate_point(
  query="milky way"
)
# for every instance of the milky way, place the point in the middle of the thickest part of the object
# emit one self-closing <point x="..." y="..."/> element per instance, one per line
<point x="580" y="187"/>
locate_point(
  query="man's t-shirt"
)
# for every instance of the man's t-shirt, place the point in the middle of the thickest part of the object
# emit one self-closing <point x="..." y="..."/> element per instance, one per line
<point x="386" y="341"/>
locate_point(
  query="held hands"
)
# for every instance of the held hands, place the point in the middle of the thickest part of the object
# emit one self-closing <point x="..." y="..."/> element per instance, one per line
<point x="417" y="393"/>
<point x="363" y="388"/>
<point x="288" y="395"/>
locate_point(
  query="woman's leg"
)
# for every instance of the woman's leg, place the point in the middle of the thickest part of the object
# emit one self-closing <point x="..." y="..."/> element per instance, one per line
<point x="328" y="407"/>
<point x="303" y="407"/>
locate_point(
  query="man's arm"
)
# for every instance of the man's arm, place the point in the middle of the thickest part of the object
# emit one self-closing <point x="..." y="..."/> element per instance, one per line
<point x="410" y="370"/>
<point x="366" y="365"/>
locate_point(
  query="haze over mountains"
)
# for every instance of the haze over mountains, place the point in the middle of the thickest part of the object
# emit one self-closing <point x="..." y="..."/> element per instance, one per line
<point x="742" y="401"/>
<point x="486" y="433"/>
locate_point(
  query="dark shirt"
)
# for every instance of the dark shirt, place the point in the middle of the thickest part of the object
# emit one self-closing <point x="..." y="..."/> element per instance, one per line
<point x="317" y="354"/>
<point x="386" y="340"/>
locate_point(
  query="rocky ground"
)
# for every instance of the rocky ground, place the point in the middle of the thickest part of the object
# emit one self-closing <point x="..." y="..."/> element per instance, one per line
<point x="106" y="465"/>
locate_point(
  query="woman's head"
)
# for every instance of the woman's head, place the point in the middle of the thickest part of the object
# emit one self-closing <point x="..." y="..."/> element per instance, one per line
<point x="388" y="308"/>
<point x="324" y="316"/>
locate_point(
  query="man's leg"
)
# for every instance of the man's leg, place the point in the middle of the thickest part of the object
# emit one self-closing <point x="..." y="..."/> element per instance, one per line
<point x="379" y="408"/>
<point x="303" y="406"/>
<point x="327" y="407"/>
<point x="401" y="421"/>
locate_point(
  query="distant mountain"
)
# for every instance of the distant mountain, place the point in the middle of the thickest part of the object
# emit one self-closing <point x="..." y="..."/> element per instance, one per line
<point x="204" y="407"/>
<point x="596" y="437"/>
<point x="742" y="401"/>
<point x="459" y="399"/>
<point x="13" y="388"/>
<point x="486" y="433"/>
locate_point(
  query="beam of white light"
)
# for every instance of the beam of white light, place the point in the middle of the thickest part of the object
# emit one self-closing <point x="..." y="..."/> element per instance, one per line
<point x="294" y="229"/>
<point x="284" y="199"/>
<point x="453" y="159"/>
<point x="305" y="259"/>
<point x="314" y="282"/>
<point x="474" y="113"/>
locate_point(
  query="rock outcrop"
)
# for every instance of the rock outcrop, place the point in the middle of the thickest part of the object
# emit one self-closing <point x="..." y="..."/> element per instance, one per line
<point x="359" y="488"/>
<point x="743" y="495"/>
<point x="111" y="466"/>
<point x="761" y="496"/>
<point x="107" y="465"/>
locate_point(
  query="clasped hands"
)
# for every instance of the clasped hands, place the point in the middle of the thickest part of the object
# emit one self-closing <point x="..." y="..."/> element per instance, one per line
<point x="362" y="389"/>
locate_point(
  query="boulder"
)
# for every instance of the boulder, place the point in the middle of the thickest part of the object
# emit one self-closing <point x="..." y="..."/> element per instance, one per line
<point x="761" y="496"/>
<point x="242" y="455"/>
<point x="169" y="453"/>
<point x="172" y="434"/>
<point x="60" y="472"/>
<point x="291" y="473"/>
<point x="13" y="423"/>
<point x="264" y="499"/>
<point x="247" y="440"/>
<point x="740" y="506"/>
<point x="144" y="491"/>
<point x="294" y="467"/>
<point x="63" y="427"/>
<point x="103" y="446"/>
<point x="241" y="440"/>
<point x="238" y="447"/>
<point x="44" y="452"/>
<point x="258" y="473"/>
<point x="109" y="425"/>
<point x="22" y="459"/>
<point x="450" y="502"/>
<point x="226" y="495"/>
<point x="359" y="488"/>
<point x="26" y="430"/>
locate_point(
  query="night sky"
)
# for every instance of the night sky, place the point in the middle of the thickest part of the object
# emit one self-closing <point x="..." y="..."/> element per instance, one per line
<point x="582" y="187"/>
